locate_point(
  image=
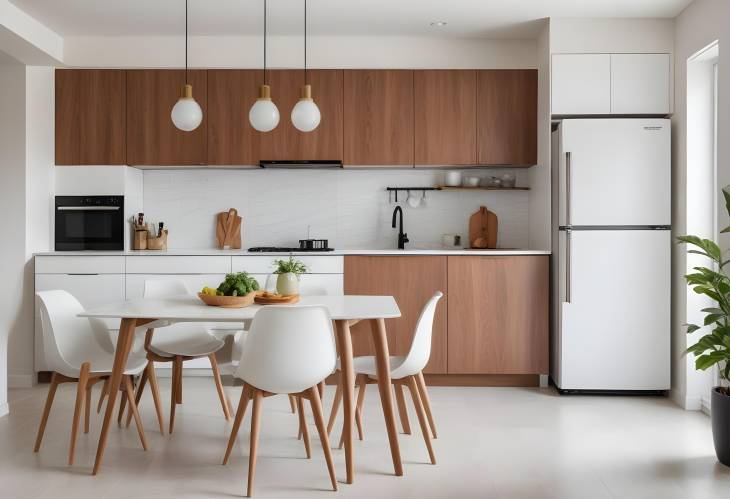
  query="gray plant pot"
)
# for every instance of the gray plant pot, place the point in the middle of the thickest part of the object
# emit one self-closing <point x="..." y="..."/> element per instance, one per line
<point x="721" y="425"/>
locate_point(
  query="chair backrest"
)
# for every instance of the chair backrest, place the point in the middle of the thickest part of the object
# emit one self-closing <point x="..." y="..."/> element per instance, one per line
<point x="420" y="350"/>
<point x="68" y="340"/>
<point x="288" y="349"/>
<point x="161" y="288"/>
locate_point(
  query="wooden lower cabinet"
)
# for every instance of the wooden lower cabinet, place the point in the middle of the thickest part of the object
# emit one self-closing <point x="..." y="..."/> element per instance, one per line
<point x="498" y="314"/>
<point x="412" y="280"/>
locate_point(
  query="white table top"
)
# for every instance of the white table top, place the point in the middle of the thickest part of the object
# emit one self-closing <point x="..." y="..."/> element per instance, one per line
<point x="191" y="309"/>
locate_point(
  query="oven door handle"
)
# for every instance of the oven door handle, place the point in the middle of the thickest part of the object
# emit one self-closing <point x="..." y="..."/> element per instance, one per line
<point x="87" y="208"/>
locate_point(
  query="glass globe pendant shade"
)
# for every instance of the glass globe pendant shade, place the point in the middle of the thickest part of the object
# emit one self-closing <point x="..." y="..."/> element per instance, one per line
<point x="264" y="115"/>
<point x="186" y="113"/>
<point x="305" y="116"/>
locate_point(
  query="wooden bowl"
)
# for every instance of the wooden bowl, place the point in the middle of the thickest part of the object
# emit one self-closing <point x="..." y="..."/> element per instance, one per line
<point x="228" y="301"/>
<point x="275" y="300"/>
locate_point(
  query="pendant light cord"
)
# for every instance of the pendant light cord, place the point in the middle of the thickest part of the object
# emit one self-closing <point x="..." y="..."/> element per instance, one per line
<point x="186" y="42"/>
<point x="264" y="42"/>
<point x="305" y="42"/>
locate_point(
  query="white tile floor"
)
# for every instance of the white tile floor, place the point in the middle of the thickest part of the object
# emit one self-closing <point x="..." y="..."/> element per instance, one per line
<point x="493" y="443"/>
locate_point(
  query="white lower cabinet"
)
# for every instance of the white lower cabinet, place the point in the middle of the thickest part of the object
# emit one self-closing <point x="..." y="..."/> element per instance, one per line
<point x="90" y="289"/>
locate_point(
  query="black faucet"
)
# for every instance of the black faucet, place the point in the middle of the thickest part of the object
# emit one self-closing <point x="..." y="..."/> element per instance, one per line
<point x="402" y="236"/>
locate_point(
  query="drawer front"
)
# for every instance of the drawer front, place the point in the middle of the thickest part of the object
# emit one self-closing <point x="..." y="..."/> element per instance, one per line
<point x="265" y="264"/>
<point x="59" y="264"/>
<point x="178" y="264"/>
<point x="90" y="290"/>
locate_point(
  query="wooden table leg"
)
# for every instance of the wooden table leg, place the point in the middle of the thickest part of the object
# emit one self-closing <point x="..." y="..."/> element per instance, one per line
<point x="382" y="357"/>
<point x="121" y="353"/>
<point x="347" y="381"/>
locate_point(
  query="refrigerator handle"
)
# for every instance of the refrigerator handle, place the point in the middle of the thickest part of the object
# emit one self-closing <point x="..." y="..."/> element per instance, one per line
<point x="568" y="196"/>
<point x="568" y="265"/>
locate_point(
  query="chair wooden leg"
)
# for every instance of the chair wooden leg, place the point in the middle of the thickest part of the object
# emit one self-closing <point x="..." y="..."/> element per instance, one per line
<point x="176" y="385"/>
<point x="178" y="392"/>
<point x="46" y="411"/>
<point x="316" y="403"/>
<point x="87" y="408"/>
<point x="104" y="390"/>
<point x="362" y="382"/>
<point x="335" y="407"/>
<point x="413" y="386"/>
<point x="122" y="405"/>
<point x="321" y="387"/>
<point x="255" y="426"/>
<point x="293" y="404"/>
<point x="426" y="402"/>
<point x="152" y="377"/>
<point x="303" y="426"/>
<point x="245" y="395"/>
<point x="219" y="386"/>
<point x="133" y="407"/>
<point x="80" y="396"/>
<point x="137" y="396"/>
<point x="402" y="410"/>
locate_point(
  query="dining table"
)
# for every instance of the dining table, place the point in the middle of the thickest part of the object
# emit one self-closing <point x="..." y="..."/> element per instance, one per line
<point x="345" y="310"/>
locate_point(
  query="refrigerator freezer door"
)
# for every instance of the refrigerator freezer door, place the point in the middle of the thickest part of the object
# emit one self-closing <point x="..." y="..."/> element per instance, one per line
<point x="615" y="172"/>
<point x="615" y="313"/>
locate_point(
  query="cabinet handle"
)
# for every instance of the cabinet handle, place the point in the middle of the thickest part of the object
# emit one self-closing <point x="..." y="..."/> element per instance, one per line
<point x="568" y="196"/>
<point x="88" y="208"/>
<point x="568" y="265"/>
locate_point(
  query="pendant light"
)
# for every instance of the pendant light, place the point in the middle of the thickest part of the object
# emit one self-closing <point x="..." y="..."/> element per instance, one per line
<point x="186" y="113"/>
<point x="264" y="115"/>
<point x="305" y="116"/>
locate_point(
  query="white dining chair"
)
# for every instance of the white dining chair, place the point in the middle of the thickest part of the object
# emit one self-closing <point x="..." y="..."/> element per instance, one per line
<point x="288" y="350"/>
<point x="178" y="343"/>
<point x="404" y="370"/>
<point x="74" y="351"/>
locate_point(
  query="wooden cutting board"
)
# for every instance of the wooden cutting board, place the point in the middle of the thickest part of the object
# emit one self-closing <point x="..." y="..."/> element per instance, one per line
<point x="228" y="229"/>
<point x="483" y="226"/>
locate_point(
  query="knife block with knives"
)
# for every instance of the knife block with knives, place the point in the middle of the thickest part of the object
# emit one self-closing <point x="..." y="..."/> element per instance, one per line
<point x="483" y="227"/>
<point x="228" y="229"/>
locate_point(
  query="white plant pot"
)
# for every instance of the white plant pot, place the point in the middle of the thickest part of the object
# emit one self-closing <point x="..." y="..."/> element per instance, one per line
<point x="287" y="284"/>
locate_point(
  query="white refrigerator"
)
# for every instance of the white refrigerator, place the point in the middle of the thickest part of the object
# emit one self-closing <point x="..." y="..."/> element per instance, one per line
<point x="611" y="255"/>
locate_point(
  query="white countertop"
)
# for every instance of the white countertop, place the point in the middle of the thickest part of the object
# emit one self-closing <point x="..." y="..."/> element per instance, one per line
<point x="243" y="252"/>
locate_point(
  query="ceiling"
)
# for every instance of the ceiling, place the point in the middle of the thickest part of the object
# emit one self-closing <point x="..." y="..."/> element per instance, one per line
<point x="465" y="18"/>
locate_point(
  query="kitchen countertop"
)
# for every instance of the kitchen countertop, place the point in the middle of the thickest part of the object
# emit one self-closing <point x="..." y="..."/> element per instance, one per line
<point x="243" y="252"/>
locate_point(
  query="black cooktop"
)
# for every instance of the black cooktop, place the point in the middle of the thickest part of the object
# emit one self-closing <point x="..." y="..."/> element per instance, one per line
<point x="278" y="249"/>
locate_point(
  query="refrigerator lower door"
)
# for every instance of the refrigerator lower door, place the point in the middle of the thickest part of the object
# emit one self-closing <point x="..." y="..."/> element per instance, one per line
<point x="614" y="328"/>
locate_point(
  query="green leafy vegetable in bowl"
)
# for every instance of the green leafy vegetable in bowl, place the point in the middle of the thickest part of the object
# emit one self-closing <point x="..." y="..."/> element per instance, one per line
<point x="238" y="284"/>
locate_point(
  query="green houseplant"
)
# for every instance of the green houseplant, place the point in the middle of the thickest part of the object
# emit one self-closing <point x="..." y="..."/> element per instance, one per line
<point x="713" y="349"/>
<point x="287" y="281"/>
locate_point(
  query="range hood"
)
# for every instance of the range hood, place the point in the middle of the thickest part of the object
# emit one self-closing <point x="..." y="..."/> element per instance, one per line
<point x="301" y="164"/>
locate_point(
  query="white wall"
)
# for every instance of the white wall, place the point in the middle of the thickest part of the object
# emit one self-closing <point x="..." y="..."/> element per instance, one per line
<point x="703" y="22"/>
<point x="350" y="208"/>
<point x="13" y="319"/>
<point x="539" y="176"/>
<point x="323" y="52"/>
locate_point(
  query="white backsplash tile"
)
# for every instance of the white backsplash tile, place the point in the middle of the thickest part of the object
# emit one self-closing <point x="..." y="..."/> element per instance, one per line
<point x="348" y="207"/>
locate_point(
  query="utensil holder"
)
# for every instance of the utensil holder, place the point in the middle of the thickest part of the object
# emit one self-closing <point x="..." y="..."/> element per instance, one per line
<point x="140" y="239"/>
<point x="158" y="243"/>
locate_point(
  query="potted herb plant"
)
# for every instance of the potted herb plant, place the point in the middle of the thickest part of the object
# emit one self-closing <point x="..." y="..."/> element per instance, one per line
<point x="713" y="349"/>
<point x="287" y="282"/>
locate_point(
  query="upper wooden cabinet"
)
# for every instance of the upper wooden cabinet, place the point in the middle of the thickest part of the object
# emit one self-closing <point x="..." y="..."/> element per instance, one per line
<point x="231" y="138"/>
<point x="286" y="142"/>
<point x="498" y="315"/>
<point x="507" y="117"/>
<point x="378" y="126"/>
<point x="152" y="139"/>
<point x="90" y="117"/>
<point x="445" y="117"/>
<point x="412" y="280"/>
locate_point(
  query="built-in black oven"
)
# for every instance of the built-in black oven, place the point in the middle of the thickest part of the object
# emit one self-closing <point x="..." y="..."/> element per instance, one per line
<point x="89" y="223"/>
